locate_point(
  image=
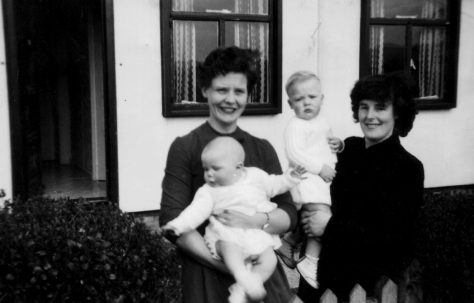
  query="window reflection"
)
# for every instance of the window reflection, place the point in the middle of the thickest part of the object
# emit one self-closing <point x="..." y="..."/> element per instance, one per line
<point x="387" y="49"/>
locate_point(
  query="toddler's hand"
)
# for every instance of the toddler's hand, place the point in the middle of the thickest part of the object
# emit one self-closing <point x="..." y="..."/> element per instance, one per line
<point x="327" y="173"/>
<point x="298" y="172"/>
<point x="335" y="144"/>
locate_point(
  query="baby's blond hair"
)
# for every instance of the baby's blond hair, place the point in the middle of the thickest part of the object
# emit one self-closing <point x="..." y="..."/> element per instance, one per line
<point x="299" y="77"/>
<point x="227" y="146"/>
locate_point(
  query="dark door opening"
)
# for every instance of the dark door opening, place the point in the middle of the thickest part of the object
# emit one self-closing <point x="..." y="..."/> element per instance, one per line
<point x="59" y="97"/>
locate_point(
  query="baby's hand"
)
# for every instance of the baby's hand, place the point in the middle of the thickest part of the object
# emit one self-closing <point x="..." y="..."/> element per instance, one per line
<point x="327" y="173"/>
<point x="169" y="232"/>
<point x="335" y="144"/>
<point x="298" y="172"/>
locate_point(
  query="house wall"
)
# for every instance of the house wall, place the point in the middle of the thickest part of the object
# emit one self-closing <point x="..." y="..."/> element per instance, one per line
<point x="322" y="36"/>
<point x="5" y="147"/>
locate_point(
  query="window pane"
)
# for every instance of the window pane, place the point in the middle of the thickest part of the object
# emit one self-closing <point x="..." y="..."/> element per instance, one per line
<point x="386" y="49"/>
<point x="252" y="35"/>
<point x="252" y="7"/>
<point x="428" y="61"/>
<point x="426" y="9"/>
<point x="192" y="42"/>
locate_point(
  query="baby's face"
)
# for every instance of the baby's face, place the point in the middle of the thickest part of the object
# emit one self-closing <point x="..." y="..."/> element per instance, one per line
<point x="305" y="98"/>
<point x="220" y="169"/>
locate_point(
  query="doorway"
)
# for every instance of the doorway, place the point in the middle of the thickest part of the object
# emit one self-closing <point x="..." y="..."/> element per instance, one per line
<point x="61" y="105"/>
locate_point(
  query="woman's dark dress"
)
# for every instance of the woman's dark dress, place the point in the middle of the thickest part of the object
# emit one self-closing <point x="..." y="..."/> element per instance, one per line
<point x="376" y="196"/>
<point x="183" y="176"/>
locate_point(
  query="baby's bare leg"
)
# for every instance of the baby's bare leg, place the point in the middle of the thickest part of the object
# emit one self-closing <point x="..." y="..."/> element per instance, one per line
<point x="265" y="264"/>
<point x="232" y="256"/>
<point x="234" y="259"/>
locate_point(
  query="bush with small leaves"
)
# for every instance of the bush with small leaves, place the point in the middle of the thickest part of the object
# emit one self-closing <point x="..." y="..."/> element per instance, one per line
<point x="71" y="250"/>
<point x="446" y="246"/>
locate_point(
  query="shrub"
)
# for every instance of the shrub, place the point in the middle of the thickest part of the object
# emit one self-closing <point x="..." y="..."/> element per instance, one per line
<point x="446" y="246"/>
<point x="70" y="251"/>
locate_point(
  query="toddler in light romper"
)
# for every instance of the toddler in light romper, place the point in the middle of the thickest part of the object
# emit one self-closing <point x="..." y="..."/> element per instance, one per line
<point x="309" y="143"/>
<point x="231" y="186"/>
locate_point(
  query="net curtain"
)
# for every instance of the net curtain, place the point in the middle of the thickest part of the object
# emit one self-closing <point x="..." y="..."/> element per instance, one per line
<point x="431" y="69"/>
<point x="184" y="55"/>
<point x="377" y="39"/>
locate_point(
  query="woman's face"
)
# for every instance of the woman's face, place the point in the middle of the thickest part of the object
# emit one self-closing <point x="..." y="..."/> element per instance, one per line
<point x="227" y="97"/>
<point x="377" y="121"/>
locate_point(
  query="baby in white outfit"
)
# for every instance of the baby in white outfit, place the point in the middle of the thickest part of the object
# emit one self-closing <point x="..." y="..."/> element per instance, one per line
<point x="231" y="186"/>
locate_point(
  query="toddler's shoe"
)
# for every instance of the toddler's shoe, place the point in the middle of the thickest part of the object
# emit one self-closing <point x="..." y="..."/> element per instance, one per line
<point x="286" y="252"/>
<point x="252" y="284"/>
<point x="308" y="269"/>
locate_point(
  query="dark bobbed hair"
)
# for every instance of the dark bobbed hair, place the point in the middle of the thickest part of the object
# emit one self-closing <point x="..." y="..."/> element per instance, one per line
<point x="222" y="61"/>
<point x="398" y="88"/>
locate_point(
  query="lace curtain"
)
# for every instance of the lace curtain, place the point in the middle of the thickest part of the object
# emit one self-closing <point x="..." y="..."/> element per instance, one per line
<point x="246" y="35"/>
<point x="184" y="55"/>
<point x="431" y="69"/>
<point x="376" y="45"/>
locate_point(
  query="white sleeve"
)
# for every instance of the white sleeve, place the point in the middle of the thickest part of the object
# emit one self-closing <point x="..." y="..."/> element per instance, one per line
<point x="295" y="149"/>
<point x="276" y="184"/>
<point x="195" y="214"/>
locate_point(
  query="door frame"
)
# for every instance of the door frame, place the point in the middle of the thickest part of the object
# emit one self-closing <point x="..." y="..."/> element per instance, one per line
<point x="18" y="154"/>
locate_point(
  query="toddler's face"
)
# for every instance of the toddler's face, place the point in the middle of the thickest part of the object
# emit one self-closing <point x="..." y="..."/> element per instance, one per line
<point x="220" y="169"/>
<point x="305" y="99"/>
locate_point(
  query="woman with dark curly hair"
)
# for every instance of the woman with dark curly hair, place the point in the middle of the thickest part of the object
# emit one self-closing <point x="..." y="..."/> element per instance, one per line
<point x="376" y="194"/>
<point x="227" y="78"/>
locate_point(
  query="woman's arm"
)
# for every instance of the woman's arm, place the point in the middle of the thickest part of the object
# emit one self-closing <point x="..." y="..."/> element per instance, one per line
<point x="402" y="206"/>
<point x="177" y="182"/>
<point x="278" y="220"/>
<point x="283" y="218"/>
<point x="192" y="243"/>
<point x="314" y="222"/>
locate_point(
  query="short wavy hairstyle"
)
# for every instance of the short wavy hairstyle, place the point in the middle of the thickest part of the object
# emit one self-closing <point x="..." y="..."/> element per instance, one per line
<point x="222" y="61"/>
<point x="398" y="88"/>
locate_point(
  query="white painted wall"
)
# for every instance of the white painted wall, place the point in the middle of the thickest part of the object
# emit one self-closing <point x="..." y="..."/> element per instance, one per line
<point x="5" y="147"/>
<point x="322" y="36"/>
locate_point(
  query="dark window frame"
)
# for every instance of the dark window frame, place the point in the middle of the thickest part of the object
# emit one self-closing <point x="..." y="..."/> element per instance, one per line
<point x="452" y="25"/>
<point x="274" y="20"/>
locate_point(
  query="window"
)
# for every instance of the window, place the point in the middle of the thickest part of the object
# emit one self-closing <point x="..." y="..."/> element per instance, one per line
<point x="193" y="28"/>
<point x="418" y="36"/>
